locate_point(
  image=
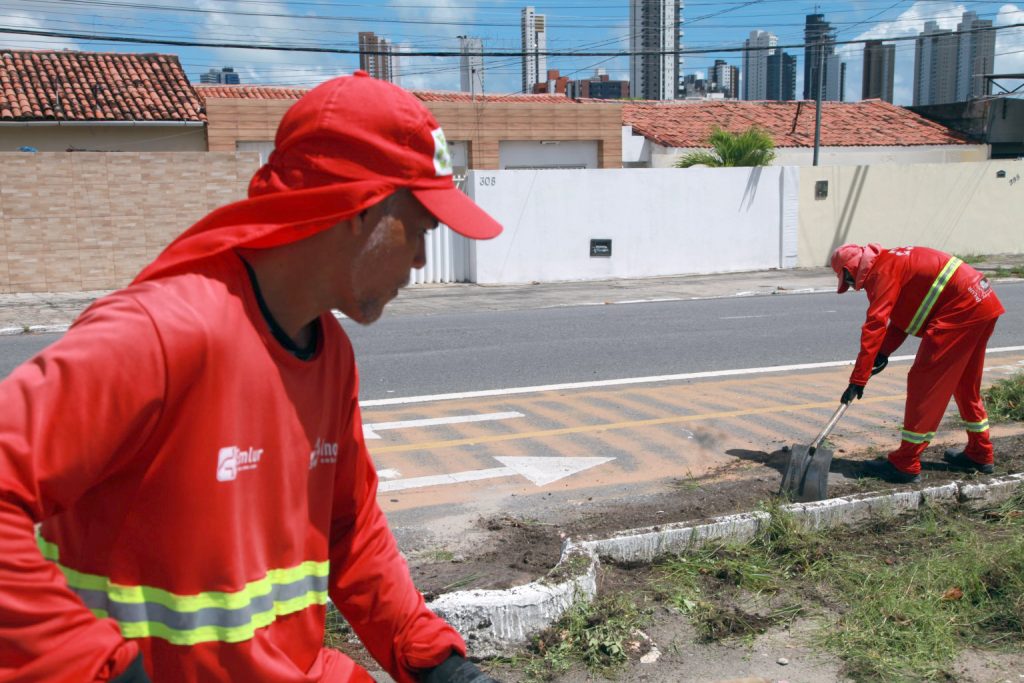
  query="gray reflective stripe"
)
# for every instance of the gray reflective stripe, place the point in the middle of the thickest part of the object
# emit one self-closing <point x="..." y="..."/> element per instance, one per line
<point x="128" y="613"/>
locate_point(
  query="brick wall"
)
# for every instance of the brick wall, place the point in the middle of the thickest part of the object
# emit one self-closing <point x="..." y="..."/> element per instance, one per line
<point x="483" y="124"/>
<point x="92" y="220"/>
<point x="231" y="120"/>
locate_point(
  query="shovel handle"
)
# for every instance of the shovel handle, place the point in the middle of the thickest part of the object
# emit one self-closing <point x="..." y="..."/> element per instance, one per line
<point x="828" y="428"/>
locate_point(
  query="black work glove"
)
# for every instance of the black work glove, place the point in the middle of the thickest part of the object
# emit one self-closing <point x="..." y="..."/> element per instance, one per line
<point x="853" y="391"/>
<point x="456" y="669"/>
<point x="135" y="673"/>
<point x="881" y="360"/>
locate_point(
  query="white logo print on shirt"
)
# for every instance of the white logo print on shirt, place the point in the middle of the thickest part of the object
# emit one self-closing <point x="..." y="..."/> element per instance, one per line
<point x="323" y="453"/>
<point x="231" y="460"/>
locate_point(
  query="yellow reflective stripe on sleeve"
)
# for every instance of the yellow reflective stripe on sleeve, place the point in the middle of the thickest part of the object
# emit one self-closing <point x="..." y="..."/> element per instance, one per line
<point x="145" y="611"/>
<point x="933" y="295"/>
<point x="977" y="426"/>
<point x="917" y="437"/>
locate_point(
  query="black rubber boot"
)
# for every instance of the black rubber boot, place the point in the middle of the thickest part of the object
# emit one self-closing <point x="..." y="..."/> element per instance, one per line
<point x="883" y="469"/>
<point x="959" y="460"/>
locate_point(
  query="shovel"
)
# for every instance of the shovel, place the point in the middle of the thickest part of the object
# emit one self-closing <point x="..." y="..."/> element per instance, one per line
<point x="806" y="477"/>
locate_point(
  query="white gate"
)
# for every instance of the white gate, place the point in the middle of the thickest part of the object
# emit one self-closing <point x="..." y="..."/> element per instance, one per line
<point x="448" y="255"/>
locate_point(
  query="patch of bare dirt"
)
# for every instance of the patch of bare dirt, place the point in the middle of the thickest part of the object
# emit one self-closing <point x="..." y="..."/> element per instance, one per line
<point x="521" y="550"/>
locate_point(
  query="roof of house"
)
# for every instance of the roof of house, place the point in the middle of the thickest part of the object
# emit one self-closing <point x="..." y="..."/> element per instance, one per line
<point x="441" y="96"/>
<point x="250" y="92"/>
<point x="55" y="85"/>
<point x="262" y="92"/>
<point x="867" y="123"/>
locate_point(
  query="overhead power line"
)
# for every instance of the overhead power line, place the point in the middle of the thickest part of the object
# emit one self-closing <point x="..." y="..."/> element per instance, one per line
<point x="442" y="53"/>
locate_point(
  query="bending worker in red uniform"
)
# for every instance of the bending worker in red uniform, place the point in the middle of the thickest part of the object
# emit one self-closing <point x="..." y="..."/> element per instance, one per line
<point x="192" y="450"/>
<point x="951" y="306"/>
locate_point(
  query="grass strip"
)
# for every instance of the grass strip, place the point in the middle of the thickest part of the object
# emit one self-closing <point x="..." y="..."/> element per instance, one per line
<point x="1004" y="399"/>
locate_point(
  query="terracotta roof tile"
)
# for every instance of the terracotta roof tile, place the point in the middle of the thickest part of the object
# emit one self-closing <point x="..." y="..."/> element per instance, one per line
<point x="94" y="86"/>
<point x="440" y="96"/>
<point x="250" y="92"/>
<point x="843" y="124"/>
<point x="262" y="92"/>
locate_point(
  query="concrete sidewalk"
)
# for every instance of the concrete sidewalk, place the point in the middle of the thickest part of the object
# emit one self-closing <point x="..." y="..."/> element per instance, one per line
<point x="54" y="311"/>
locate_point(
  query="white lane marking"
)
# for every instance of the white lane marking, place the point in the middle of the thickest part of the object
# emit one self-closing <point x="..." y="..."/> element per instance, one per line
<point x="370" y="430"/>
<point x="743" y="317"/>
<point x="540" y="471"/>
<point x="630" y="380"/>
<point x="388" y="474"/>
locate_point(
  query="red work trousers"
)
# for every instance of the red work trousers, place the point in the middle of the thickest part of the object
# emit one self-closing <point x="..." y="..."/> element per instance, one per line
<point x="949" y="362"/>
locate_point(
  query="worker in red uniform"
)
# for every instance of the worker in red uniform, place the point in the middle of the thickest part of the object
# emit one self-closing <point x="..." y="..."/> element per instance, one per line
<point x="951" y="306"/>
<point x="183" y="477"/>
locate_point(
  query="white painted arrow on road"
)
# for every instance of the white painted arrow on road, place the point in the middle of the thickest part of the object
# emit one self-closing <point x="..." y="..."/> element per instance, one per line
<point x="541" y="471"/>
<point x="370" y="430"/>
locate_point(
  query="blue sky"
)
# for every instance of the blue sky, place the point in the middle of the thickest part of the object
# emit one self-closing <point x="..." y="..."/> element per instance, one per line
<point x="436" y="24"/>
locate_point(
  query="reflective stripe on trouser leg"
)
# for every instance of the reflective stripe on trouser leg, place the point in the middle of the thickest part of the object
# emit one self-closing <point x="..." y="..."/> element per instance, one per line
<point x="907" y="458"/>
<point x="968" y="394"/>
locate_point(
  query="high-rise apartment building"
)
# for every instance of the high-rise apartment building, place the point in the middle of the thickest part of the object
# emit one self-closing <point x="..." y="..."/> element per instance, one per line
<point x="226" y="76"/>
<point x="757" y="48"/>
<point x="535" y="44"/>
<point x="655" y="36"/>
<point x="879" y="70"/>
<point x="471" y="65"/>
<point x="975" y="56"/>
<point x="781" y="86"/>
<point x="724" y="78"/>
<point x="822" y="66"/>
<point x="377" y="57"/>
<point x="935" y="65"/>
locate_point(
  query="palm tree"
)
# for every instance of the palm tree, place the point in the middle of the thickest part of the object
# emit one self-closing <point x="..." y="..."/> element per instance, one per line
<point x="752" y="147"/>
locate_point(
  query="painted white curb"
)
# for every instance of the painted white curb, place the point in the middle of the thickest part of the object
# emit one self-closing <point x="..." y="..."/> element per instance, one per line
<point x="646" y="545"/>
<point x="495" y="622"/>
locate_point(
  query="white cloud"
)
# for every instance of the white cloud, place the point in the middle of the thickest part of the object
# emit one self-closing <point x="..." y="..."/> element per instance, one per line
<point x="271" y="67"/>
<point x="909" y="23"/>
<point x="435" y="73"/>
<point x="1010" y="42"/>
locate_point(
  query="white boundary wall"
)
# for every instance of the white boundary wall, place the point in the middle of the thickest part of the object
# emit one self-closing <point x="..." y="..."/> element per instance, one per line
<point x="965" y="208"/>
<point x="660" y="221"/>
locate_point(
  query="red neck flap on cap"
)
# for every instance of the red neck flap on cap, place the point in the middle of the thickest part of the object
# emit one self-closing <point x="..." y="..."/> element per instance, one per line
<point x="343" y="147"/>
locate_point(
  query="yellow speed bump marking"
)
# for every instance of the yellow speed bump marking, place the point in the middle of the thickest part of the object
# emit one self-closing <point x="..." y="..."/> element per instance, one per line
<point x="777" y="408"/>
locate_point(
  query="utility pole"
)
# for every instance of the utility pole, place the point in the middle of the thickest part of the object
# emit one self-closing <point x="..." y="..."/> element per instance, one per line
<point x="817" y="101"/>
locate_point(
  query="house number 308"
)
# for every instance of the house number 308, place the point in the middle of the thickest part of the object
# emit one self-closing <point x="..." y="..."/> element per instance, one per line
<point x="488" y="181"/>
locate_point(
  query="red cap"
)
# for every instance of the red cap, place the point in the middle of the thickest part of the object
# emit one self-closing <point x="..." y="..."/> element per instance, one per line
<point x="848" y="257"/>
<point x="357" y="129"/>
<point x="343" y="147"/>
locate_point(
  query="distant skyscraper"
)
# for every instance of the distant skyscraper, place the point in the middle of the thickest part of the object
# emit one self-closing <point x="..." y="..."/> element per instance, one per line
<point x="759" y="46"/>
<point x="376" y="56"/>
<point x="226" y="76"/>
<point x="935" y="65"/>
<point x="821" y="63"/>
<point x="781" y="86"/>
<point x="655" y="34"/>
<point x="975" y="57"/>
<point x="724" y="78"/>
<point x="879" y="70"/>
<point x="535" y="43"/>
<point x="471" y="65"/>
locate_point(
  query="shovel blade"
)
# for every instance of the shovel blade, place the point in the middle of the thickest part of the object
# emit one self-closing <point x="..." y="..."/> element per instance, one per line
<point x="806" y="476"/>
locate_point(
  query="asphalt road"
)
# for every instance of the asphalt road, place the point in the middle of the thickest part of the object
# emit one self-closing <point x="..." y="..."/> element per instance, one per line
<point x="413" y="355"/>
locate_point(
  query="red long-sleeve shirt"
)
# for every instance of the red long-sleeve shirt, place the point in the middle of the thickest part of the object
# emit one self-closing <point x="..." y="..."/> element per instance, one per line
<point x="200" y="493"/>
<point x="898" y="284"/>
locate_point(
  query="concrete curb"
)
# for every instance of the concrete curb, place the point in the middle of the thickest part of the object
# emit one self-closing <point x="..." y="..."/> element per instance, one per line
<point x="33" y="329"/>
<point x="494" y="622"/>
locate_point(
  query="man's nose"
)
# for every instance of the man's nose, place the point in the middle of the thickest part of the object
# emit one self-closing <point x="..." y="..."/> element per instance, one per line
<point x="420" y="259"/>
